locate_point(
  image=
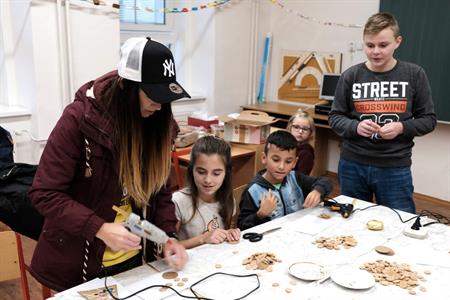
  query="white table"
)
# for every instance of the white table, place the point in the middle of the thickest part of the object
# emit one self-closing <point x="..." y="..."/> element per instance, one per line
<point x="293" y="243"/>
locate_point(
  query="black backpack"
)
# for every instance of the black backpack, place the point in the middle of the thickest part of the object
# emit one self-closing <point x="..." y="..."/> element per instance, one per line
<point x="16" y="209"/>
<point x="6" y="146"/>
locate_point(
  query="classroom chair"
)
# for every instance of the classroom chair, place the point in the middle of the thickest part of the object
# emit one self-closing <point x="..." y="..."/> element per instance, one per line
<point x="176" y="165"/>
<point x="13" y="263"/>
<point x="237" y="194"/>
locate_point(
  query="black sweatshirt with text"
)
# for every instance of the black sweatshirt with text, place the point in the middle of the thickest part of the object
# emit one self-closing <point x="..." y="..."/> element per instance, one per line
<point x="402" y="94"/>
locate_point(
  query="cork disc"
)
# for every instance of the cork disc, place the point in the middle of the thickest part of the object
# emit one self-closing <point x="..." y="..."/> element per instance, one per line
<point x="232" y="242"/>
<point x="324" y="216"/>
<point x="170" y="275"/>
<point x="384" y="250"/>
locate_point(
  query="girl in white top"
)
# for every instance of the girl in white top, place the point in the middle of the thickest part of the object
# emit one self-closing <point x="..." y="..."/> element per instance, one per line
<point x="205" y="208"/>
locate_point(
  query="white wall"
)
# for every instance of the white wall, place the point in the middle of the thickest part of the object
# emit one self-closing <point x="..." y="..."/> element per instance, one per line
<point x="431" y="154"/>
<point x="213" y="53"/>
<point x="213" y="47"/>
<point x="42" y="84"/>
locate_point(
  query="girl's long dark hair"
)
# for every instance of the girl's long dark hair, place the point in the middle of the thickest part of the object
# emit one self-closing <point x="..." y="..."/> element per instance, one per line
<point x="210" y="145"/>
<point x="143" y="145"/>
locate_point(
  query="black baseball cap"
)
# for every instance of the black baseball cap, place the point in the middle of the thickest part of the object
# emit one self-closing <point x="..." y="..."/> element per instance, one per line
<point x="151" y="64"/>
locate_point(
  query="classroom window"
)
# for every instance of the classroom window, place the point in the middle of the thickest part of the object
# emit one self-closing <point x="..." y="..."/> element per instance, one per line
<point x="3" y="83"/>
<point x="135" y="15"/>
<point x="136" y="20"/>
<point x="14" y="34"/>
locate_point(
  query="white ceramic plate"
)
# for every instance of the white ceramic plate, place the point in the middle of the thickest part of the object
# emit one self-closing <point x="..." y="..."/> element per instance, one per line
<point x="307" y="271"/>
<point x="352" y="278"/>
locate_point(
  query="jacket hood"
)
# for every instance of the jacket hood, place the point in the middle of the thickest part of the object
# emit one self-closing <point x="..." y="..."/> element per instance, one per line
<point x="99" y="87"/>
<point x="95" y="124"/>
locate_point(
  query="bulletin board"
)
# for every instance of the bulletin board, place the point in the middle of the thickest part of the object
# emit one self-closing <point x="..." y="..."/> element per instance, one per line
<point x="301" y="73"/>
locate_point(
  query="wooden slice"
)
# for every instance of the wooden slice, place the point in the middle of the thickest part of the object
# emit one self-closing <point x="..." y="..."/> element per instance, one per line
<point x="170" y="275"/>
<point x="384" y="250"/>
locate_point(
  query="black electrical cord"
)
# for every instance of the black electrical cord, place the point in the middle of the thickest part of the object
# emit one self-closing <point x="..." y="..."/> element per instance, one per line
<point x="178" y="293"/>
<point x="227" y="274"/>
<point x="440" y="219"/>
<point x="362" y="209"/>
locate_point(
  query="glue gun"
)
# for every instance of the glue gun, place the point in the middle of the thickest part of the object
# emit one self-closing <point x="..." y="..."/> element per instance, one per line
<point x="142" y="228"/>
<point x="345" y="209"/>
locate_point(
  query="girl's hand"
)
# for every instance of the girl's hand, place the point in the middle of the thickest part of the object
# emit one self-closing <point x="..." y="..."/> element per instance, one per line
<point x="216" y="236"/>
<point x="233" y="234"/>
<point x="117" y="237"/>
<point x="268" y="204"/>
<point x="312" y="200"/>
<point x="175" y="254"/>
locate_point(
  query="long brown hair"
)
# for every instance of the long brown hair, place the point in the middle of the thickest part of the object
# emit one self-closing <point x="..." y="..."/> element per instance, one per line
<point x="210" y="145"/>
<point x="143" y="145"/>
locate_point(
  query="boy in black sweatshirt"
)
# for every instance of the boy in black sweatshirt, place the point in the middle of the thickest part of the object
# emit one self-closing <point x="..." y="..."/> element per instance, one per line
<point x="379" y="107"/>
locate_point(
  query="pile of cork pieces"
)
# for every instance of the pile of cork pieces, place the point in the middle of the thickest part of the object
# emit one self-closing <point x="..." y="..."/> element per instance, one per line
<point x="335" y="243"/>
<point x="391" y="273"/>
<point x="260" y="261"/>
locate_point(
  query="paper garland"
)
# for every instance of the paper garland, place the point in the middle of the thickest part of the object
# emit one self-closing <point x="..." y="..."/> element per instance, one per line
<point x="211" y="4"/>
<point x="312" y="19"/>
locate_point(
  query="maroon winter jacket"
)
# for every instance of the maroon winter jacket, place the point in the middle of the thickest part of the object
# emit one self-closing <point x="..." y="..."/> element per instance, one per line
<point x="75" y="206"/>
<point x="305" y="162"/>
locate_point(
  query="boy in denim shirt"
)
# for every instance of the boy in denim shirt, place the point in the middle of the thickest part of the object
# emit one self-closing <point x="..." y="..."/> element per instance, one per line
<point x="278" y="190"/>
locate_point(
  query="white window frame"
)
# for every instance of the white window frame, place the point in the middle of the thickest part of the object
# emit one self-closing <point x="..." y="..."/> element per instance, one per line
<point x="167" y="27"/>
<point x="9" y="102"/>
<point x="163" y="33"/>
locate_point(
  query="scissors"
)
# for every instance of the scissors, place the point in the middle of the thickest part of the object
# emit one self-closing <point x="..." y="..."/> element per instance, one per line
<point x="256" y="237"/>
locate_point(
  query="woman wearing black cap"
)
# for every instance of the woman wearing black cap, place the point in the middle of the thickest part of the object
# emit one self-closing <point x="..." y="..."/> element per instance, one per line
<point x="110" y="147"/>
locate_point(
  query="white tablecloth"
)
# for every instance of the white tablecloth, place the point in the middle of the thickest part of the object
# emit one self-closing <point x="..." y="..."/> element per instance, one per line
<point x="293" y="243"/>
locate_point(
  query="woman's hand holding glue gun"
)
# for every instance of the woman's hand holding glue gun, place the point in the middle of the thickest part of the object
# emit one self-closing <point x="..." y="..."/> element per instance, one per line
<point x="174" y="253"/>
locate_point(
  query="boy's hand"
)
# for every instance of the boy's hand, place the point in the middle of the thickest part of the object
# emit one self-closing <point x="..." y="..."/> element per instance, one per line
<point x="391" y="130"/>
<point x="268" y="204"/>
<point x="233" y="234"/>
<point x="367" y="127"/>
<point x="312" y="200"/>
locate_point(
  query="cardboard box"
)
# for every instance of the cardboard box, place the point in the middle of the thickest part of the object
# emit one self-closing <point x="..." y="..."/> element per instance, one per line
<point x="249" y="127"/>
<point x="192" y="121"/>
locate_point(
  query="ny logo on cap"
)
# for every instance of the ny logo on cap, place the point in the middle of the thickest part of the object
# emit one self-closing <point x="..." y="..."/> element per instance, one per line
<point x="169" y="67"/>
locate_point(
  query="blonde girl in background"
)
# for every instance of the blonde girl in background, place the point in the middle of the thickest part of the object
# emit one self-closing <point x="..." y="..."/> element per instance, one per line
<point x="205" y="208"/>
<point x="301" y="126"/>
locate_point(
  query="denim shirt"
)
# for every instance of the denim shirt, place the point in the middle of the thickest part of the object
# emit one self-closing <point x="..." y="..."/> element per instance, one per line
<point x="290" y="196"/>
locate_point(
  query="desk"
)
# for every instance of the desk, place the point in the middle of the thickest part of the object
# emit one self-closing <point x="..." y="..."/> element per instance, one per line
<point x="293" y="243"/>
<point x="323" y="131"/>
<point x="243" y="164"/>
